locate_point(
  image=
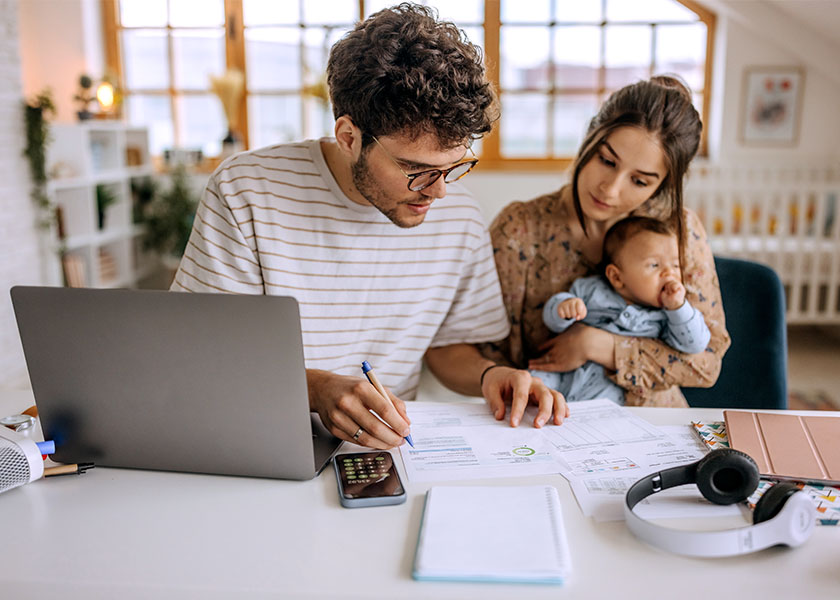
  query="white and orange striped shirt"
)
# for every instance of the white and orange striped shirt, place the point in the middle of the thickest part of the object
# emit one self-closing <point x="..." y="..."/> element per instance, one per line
<point x="274" y="221"/>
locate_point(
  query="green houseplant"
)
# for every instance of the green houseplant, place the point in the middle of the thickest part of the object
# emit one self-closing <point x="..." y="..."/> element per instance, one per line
<point x="143" y="191"/>
<point x="35" y="112"/>
<point x="105" y="197"/>
<point x="169" y="216"/>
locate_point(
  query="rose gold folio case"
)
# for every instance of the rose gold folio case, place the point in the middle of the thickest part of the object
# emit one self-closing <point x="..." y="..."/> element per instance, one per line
<point x="788" y="446"/>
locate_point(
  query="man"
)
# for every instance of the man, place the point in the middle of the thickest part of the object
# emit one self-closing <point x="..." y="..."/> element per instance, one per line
<point x="344" y="225"/>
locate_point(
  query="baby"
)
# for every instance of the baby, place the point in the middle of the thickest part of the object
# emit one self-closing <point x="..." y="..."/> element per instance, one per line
<point x="640" y="294"/>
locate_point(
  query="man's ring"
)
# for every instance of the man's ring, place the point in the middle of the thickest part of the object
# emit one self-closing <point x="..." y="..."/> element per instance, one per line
<point x="357" y="434"/>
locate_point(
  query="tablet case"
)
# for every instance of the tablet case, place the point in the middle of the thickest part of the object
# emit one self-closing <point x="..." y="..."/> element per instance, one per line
<point x="801" y="448"/>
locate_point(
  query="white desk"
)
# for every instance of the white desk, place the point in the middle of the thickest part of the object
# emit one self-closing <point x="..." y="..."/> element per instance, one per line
<point x="122" y="533"/>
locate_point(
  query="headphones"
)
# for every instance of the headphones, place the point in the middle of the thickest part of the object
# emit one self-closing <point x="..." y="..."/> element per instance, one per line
<point x="783" y="515"/>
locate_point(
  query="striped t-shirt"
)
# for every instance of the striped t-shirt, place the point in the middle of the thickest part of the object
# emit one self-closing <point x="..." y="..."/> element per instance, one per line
<point x="274" y="221"/>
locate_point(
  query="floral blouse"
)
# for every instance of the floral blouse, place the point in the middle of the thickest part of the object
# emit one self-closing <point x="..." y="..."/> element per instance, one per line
<point x="536" y="257"/>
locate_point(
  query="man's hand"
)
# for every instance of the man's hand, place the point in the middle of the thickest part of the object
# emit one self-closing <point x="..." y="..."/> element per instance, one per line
<point x="672" y="295"/>
<point x="345" y="403"/>
<point x="572" y="308"/>
<point x="506" y="385"/>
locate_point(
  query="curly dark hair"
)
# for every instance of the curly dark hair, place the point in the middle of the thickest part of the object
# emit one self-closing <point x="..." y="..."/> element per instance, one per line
<point x="403" y="71"/>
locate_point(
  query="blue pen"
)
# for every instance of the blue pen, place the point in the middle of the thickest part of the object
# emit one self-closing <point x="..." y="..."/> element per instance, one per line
<point x="368" y="371"/>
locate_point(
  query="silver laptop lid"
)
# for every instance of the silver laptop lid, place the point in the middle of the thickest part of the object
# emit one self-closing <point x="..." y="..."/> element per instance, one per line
<point x="203" y="383"/>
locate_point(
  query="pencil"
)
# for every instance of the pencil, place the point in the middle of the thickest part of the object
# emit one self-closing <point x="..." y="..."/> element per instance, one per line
<point x="374" y="381"/>
<point x="72" y="469"/>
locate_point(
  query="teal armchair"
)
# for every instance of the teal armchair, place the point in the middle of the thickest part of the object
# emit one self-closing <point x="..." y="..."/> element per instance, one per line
<point x="754" y="369"/>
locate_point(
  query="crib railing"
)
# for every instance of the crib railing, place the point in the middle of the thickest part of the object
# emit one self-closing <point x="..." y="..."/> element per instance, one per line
<point x="784" y="217"/>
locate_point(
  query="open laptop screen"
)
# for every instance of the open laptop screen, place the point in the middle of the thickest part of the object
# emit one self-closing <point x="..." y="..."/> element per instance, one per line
<point x="205" y="383"/>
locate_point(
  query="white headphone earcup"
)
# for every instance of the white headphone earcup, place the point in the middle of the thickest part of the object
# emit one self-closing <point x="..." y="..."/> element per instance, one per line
<point x="797" y="520"/>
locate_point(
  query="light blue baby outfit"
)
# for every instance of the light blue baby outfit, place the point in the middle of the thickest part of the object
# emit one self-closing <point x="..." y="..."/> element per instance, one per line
<point x="683" y="329"/>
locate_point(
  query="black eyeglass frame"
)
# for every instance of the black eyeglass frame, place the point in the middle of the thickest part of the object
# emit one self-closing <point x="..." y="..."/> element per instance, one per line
<point x="437" y="172"/>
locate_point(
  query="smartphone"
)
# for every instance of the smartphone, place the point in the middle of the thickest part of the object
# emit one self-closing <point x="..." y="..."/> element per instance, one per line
<point x="368" y="479"/>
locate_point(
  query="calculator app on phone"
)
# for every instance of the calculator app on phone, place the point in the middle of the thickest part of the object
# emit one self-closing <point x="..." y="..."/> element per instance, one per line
<point x="368" y="479"/>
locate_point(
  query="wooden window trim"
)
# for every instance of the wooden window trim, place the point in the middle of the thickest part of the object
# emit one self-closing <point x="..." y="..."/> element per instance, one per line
<point x="491" y="157"/>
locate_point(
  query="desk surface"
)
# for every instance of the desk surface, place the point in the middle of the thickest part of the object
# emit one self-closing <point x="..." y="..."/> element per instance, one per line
<point x="126" y="533"/>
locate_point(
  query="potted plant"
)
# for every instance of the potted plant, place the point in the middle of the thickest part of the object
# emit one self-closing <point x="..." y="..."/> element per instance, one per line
<point x="84" y="97"/>
<point x="105" y="197"/>
<point x="36" y="111"/>
<point x="169" y="217"/>
<point x="143" y="191"/>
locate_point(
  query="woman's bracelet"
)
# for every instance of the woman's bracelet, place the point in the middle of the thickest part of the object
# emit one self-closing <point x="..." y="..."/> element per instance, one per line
<point x="484" y="372"/>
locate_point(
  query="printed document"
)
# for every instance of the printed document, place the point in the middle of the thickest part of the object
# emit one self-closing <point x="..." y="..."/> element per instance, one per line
<point x="601" y="494"/>
<point x="464" y="441"/>
<point x="601" y="449"/>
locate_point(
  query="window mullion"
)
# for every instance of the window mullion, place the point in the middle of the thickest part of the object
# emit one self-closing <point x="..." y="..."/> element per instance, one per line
<point x="552" y="84"/>
<point x="602" y="51"/>
<point x="113" y="58"/>
<point x="652" y="70"/>
<point x="170" y="55"/>
<point x="304" y="119"/>
<point x="490" y="147"/>
<point x="235" y="58"/>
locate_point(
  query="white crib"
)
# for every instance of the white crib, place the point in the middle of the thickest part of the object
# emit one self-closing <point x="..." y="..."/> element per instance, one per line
<point x="784" y="217"/>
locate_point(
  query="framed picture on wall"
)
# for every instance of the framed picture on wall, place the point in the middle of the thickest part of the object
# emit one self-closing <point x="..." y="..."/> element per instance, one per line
<point x="771" y="108"/>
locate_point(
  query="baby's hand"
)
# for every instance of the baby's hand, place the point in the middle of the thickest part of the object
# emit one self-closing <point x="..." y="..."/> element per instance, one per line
<point x="672" y="295"/>
<point x="573" y="308"/>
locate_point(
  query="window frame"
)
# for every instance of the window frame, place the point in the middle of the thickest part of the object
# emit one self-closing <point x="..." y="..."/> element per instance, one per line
<point x="491" y="157"/>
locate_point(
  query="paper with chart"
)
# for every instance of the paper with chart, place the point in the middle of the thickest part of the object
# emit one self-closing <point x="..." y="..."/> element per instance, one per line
<point x="461" y="441"/>
<point x="464" y="441"/>
<point x="601" y="449"/>
<point x="601" y="495"/>
<point x="608" y="449"/>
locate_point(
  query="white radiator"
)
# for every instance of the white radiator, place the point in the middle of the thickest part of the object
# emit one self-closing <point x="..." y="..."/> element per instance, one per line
<point x="786" y="218"/>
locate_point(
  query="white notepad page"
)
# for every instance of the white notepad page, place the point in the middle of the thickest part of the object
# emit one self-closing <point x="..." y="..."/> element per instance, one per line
<point x="496" y="533"/>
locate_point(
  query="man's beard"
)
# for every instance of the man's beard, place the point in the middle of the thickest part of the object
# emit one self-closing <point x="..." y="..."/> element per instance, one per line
<point x="371" y="191"/>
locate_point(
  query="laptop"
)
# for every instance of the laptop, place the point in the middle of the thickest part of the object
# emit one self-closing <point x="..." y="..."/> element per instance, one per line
<point x="199" y="383"/>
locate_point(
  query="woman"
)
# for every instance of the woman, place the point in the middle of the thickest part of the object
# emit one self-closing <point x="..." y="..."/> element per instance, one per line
<point x="633" y="161"/>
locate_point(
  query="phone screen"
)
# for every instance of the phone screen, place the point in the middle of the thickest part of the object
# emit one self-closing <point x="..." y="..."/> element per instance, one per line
<point x="368" y="475"/>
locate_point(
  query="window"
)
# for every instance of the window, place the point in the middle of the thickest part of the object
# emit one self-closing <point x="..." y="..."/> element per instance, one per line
<point x="553" y="62"/>
<point x="560" y="59"/>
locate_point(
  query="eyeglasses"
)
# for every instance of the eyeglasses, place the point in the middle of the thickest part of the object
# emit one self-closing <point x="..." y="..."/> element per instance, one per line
<point x="423" y="179"/>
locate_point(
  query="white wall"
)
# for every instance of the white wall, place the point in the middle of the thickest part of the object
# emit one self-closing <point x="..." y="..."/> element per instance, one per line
<point x="819" y="126"/>
<point x="59" y="41"/>
<point x="495" y="190"/>
<point x="19" y="242"/>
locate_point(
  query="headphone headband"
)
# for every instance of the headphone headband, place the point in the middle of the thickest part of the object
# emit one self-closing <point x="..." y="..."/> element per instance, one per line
<point x="724" y="476"/>
<point x="656" y="482"/>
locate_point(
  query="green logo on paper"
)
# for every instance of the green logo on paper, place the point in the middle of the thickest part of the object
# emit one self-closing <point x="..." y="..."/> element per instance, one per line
<point x="524" y="451"/>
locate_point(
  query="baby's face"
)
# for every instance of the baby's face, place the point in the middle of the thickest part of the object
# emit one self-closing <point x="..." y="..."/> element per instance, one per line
<point x="646" y="263"/>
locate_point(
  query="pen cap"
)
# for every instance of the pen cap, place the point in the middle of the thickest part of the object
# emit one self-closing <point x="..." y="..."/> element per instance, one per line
<point x="20" y="460"/>
<point x="47" y="447"/>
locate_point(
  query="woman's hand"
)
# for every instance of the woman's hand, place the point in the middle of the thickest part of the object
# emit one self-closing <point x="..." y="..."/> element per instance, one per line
<point x="572" y="348"/>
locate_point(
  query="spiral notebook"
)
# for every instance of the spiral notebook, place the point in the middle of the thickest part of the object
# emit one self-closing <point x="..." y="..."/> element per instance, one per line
<point x="512" y="534"/>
